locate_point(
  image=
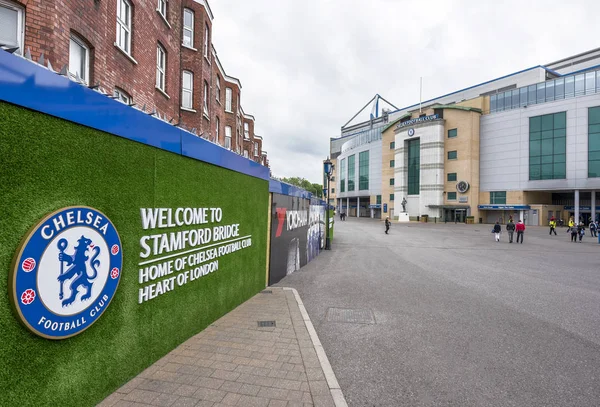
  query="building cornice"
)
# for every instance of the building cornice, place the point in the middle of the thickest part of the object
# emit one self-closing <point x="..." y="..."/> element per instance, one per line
<point x="206" y="6"/>
<point x="226" y="77"/>
<point x="247" y="116"/>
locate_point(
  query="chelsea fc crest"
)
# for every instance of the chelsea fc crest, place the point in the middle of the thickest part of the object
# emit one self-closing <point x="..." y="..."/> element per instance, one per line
<point x="66" y="272"/>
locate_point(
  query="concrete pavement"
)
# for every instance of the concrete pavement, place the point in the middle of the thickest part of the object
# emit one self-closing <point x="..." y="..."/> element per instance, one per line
<point x="442" y="315"/>
<point x="236" y="362"/>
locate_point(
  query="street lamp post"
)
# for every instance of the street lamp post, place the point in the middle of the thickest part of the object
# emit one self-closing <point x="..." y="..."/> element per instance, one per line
<point x="328" y="170"/>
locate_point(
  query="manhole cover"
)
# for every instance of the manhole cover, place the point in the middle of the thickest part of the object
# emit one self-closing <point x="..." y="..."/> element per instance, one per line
<point x="265" y="324"/>
<point x="352" y="316"/>
<point x="266" y="292"/>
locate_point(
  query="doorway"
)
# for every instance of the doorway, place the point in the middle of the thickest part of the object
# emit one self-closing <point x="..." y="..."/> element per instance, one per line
<point x="455" y="215"/>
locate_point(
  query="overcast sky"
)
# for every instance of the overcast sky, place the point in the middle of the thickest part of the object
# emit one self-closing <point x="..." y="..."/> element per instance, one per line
<point x="307" y="67"/>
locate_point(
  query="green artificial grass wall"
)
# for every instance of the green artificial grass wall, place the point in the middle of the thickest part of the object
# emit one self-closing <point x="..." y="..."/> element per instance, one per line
<point x="47" y="164"/>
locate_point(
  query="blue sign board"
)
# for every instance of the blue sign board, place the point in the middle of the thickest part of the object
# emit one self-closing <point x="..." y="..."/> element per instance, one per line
<point x="505" y="207"/>
<point x="66" y="272"/>
<point x="581" y="208"/>
<point x="384" y="208"/>
<point x="375" y="206"/>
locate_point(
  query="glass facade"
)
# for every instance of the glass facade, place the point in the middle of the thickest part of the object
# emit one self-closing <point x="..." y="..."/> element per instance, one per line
<point x="498" y="198"/>
<point x="548" y="146"/>
<point x="362" y="137"/>
<point x="561" y="88"/>
<point x="452" y="196"/>
<point x="414" y="166"/>
<point x="452" y="133"/>
<point x="343" y="175"/>
<point x="363" y="171"/>
<point x="594" y="142"/>
<point x="451" y="176"/>
<point x="351" y="173"/>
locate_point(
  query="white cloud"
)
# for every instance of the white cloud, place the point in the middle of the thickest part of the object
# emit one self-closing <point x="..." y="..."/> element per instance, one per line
<point x="307" y="66"/>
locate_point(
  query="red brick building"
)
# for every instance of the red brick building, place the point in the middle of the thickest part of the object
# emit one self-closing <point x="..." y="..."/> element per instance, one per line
<point x="153" y="53"/>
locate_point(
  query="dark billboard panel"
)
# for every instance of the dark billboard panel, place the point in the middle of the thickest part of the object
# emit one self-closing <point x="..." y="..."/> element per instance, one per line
<point x="297" y="234"/>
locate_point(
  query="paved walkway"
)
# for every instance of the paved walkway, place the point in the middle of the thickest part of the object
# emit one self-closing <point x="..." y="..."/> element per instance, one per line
<point x="234" y="362"/>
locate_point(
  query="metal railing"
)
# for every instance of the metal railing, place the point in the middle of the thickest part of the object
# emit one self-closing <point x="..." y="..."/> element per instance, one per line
<point x="565" y="87"/>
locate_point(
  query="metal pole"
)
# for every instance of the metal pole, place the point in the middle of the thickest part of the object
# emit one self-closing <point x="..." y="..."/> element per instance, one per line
<point x="420" y="93"/>
<point x="327" y="241"/>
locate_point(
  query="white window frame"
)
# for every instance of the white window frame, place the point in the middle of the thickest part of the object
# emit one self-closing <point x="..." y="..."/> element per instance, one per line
<point x="255" y="149"/>
<point x="125" y="46"/>
<point x="245" y="153"/>
<point x="162" y="8"/>
<point x="189" y="29"/>
<point x="189" y="91"/>
<point x="206" y="42"/>
<point x="161" y="68"/>
<point x="218" y="93"/>
<point x="227" y="143"/>
<point x="205" y="103"/>
<point x="121" y="96"/>
<point x="20" y="24"/>
<point x="228" y="99"/>
<point x="86" y="74"/>
<point x="246" y="130"/>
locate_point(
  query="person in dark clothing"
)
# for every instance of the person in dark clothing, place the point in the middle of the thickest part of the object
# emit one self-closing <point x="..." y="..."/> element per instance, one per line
<point x="520" y="230"/>
<point x="510" y="228"/>
<point x="580" y="231"/>
<point x="593" y="228"/>
<point x="573" y="230"/>
<point x="387" y="225"/>
<point x="497" y="229"/>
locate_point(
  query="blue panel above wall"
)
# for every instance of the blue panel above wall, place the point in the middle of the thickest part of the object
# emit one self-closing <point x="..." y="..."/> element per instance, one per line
<point x="287" y="189"/>
<point x="29" y="85"/>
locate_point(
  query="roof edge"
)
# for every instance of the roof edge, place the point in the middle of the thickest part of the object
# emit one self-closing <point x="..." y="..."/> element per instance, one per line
<point x="205" y="4"/>
<point x="395" y="121"/>
<point x="470" y="87"/>
<point x="225" y="76"/>
<point x="457" y="107"/>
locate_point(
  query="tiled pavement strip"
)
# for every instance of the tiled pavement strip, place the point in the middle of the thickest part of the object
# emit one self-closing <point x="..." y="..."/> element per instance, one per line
<point x="233" y="362"/>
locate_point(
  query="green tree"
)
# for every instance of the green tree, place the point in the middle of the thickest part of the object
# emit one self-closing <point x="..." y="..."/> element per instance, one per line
<point x="315" y="189"/>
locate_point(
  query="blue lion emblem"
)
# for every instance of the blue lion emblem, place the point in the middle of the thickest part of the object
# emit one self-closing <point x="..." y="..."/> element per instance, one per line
<point x="78" y="269"/>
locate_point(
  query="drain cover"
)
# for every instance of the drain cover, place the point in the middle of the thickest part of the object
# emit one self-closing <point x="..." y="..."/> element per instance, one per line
<point x="352" y="316"/>
<point x="265" y="324"/>
<point x="266" y="292"/>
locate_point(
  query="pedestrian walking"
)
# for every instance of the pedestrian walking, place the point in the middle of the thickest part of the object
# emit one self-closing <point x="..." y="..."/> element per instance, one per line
<point x="552" y="226"/>
<point x="387" y="225"/>
<point x="510" y="228"/>
<point x="593" y="229"/>
<point x="520" y="231"/>
<point x="573" y="230"/>
<point x="496" y="231"/>
<point x="580" y="231"/>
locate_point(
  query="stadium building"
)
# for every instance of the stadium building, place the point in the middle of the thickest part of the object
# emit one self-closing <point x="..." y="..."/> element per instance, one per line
<point x="525" y="145"/>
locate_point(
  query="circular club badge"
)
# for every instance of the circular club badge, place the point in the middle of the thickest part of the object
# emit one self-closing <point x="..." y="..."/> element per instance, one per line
<point x="66" y="272"/>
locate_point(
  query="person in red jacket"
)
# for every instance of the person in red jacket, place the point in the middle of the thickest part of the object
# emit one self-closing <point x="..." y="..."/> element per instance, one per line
<point x="520" y="230"/>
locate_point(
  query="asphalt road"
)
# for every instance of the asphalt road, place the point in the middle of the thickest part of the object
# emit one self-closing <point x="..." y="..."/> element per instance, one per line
<point x="460" y="319"/>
